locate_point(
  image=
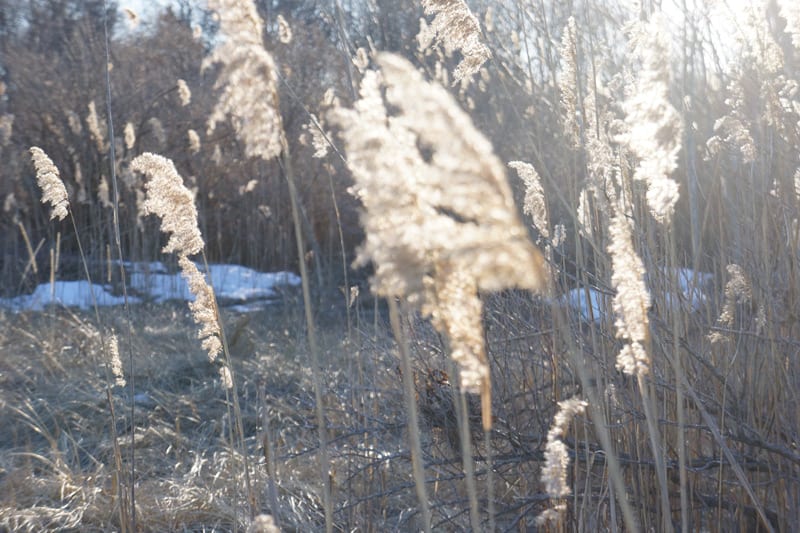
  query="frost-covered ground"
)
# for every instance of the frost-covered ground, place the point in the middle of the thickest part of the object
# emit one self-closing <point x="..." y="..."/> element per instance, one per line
<point x="239" y="288"/>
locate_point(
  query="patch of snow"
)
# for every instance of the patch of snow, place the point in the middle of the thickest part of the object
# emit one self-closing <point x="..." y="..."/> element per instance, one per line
<point x="67" y="293"/>
<point x="160" y="287"/>
<point x="588" y="302"/>
<point x="234" y="282"/>
<point x="242" y="288"/>
<point x="691" y="296"/>
<point x="144" y="400"/>
<point x="692" y="287"/>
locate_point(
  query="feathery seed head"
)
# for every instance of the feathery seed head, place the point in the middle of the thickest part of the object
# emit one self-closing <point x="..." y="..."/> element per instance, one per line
<point x="53" y="190"/>
<point x="204" y="307"/>
<point x="194" y="141"/>
<point x="6" y="128"/>
<point x="169" y="199"/>
<point x="225" y="377"/>
<point x="238" y="20"/>
<point x="439" y="216"/>
<point x="457" y="28"/>
<point x="130" y="136"/>
<point x="654" y="127"/>
<point x="249" y="98"/>
<point x="248" y="79"/>
<point x="132" y="16"/>
<point x="115" y="362"/>
<point x="535" y="205"/>
<point x="184" y="93"/>
<point x="737" y="290"/>
<point x="263" y="523"/>
<point x="554" y="472"/>
<point x="97" y="129"/>
<point x="568" y="81"/>
<point x="632" y="299"/>
<point x="790" y="11"/>
<point x="284" y="30"/>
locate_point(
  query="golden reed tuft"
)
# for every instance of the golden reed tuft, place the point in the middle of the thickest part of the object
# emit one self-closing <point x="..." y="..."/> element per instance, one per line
<point x="457" y="28"/>
<point x="439" y="215"/>
<point x="248" y="79"/>
<point x="169" y="199"/>
<point x="554" y="472"/>
<point x="53" y="190"/>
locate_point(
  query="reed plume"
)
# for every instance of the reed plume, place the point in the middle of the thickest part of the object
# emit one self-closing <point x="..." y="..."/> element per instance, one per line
<point x="568" y="82"/>
<point x="115" y="363"/>
<point x="130" y="136"/>
<point x="248" y="79"/>
<point x="169" y="199"/>
<point x="654" y="128"/>
<point x="204" y="307"/>
<point x="439" y="216"/>
<point x="631" y="300"/>
<point x="184" y="93"/>
<point x="457" y="28"/>
<point x="790" y="11"/>
<point x="284" y="30"/>
<point x="737" y="290"/>
<point x="53" y="190"/>
<point x="194" y="141"/>
<point x="535" y="205"/>
<point x="554" y="472"/>
<point x="97" y="129"/>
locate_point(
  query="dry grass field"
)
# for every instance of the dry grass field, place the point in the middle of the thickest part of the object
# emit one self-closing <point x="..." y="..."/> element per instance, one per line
<point x="547" y="262"/>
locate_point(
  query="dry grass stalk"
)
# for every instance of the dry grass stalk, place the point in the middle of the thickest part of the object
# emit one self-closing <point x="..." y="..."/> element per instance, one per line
<point x="439" y="215"/>
<point x="250" y="98"/>
<point x="53" y="190"/>
<point x="457" y="28"/>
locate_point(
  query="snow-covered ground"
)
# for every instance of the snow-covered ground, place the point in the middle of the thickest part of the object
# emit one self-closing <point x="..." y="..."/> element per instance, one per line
<point x="239" y="288"/>
<point x="691" y="297"/>
<point x="244" y="290"/>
